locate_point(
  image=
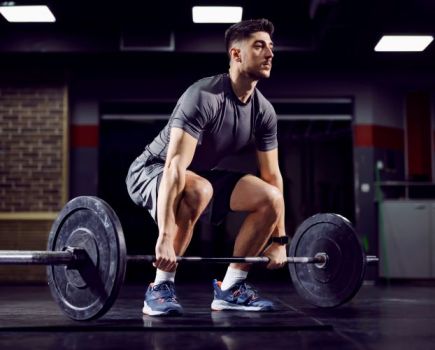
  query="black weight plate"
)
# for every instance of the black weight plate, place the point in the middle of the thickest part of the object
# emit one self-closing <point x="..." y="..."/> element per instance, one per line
<point x="87" y="291"/>
<point x="341" y="278"/>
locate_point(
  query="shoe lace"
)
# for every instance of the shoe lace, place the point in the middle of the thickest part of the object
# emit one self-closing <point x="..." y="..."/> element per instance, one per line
<point x="247" y="290"/>
<point x="165" y="291"/>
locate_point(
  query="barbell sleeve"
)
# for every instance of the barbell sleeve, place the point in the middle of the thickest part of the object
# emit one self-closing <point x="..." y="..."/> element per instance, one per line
<point x="29" y="257"/>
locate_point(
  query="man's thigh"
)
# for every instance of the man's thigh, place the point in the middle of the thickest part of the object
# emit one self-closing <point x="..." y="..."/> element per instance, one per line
<point x="250" y="193"/>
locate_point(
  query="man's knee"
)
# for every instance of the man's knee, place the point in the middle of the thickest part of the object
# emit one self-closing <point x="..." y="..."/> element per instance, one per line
<point x="273" y="204"/>
<point x="198" y="193"/>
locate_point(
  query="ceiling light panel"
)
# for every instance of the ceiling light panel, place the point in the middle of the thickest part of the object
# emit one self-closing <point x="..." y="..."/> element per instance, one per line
<point x="403" y="43"/>
<point x="25" y="14"/>
<point x="217" y="14"/>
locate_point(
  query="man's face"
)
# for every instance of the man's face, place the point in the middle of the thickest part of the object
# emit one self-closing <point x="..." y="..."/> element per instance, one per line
<point x="256" y="55"/>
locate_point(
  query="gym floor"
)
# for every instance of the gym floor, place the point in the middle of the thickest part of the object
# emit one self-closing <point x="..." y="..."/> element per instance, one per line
<point x="383" y="316"/>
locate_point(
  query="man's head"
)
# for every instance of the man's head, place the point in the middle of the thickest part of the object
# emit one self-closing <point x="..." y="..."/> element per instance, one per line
<point x="250" y="47"/>
<point x="243" y="30"/>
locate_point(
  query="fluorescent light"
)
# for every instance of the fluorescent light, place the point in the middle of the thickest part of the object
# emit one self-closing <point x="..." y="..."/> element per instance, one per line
<point x="37" y="13"/>
<point x="408" y="43"/>
<point x="217" y="14"/>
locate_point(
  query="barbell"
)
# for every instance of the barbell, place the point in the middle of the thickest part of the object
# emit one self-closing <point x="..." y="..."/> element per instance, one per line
<point x="86" y="259"/>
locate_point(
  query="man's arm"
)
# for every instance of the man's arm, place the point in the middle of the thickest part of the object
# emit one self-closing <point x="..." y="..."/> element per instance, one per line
<point x="270" y="173"/>
<point x="180" y="154"/>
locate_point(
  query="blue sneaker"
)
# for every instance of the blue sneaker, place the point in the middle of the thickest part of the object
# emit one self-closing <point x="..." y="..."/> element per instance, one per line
<point x="241" y="296"/>
<point x="160" y="300"/>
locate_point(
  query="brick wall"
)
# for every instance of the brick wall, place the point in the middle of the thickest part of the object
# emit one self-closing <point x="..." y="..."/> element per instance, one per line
<point x="33" y="168"/>
<point x="31" y="148"/>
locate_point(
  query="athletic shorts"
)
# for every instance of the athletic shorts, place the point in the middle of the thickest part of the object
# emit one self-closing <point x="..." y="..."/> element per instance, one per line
<point x="145" y="174"/>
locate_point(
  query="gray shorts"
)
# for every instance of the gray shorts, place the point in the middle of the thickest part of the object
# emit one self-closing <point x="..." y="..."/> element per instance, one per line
<point x="143" y="181"/>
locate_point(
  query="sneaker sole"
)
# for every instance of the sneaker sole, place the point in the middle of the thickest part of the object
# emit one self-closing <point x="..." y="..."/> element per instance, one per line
<point x="219" y="305"/>
<point x="146" y="310"/>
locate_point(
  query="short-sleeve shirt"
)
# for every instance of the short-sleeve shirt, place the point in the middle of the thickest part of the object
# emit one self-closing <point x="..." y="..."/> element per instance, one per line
<point x="223" y="125"/>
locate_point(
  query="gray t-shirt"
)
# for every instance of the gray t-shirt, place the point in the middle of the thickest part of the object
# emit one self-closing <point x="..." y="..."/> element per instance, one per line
<point x="223" y="125"/>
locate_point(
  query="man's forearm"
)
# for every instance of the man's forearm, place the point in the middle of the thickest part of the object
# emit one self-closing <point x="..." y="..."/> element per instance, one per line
<point x="173" y="182"/>
<point x="278" y="182"/>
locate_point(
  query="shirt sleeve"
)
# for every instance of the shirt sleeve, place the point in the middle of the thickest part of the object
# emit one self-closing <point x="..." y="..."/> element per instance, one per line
<point x="190" y="113"/>
<point x="266" y="133"/>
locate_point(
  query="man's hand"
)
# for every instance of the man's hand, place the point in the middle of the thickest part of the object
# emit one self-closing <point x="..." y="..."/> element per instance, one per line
<point x="277" y="254"/>
<point x="166" y="259"/>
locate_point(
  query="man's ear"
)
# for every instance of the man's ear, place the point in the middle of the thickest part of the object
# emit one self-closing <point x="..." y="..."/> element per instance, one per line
<point x="235" y="54"/>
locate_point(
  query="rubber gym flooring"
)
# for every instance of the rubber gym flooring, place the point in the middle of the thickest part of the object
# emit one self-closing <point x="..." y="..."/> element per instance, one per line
<point x="383" y="316"/>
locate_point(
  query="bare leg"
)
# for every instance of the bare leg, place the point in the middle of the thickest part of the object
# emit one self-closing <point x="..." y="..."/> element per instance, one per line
<point x="196" y="196"/>
<point x="265" y="204"/>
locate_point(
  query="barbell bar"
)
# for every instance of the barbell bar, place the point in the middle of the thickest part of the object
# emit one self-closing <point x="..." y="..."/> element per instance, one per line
<point x="86" y="259"/>
<point x="71" y="256"/>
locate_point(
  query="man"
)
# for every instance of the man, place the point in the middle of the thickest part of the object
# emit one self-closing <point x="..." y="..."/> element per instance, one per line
<point x="178" y="179"/>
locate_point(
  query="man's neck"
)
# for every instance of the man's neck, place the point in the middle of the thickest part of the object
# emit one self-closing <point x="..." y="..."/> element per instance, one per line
<point x="242" y="85"/>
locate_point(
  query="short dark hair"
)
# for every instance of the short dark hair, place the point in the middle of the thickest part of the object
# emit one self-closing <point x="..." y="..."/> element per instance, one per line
<point x="243" y="30"/>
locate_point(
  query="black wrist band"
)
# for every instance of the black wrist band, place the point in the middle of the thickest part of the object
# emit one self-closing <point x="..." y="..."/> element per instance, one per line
<point x="283" y="240"/>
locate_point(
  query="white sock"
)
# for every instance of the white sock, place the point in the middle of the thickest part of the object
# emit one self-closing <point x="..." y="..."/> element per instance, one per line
<point x="162" y="276"/>
<point x="232" y="277"/>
